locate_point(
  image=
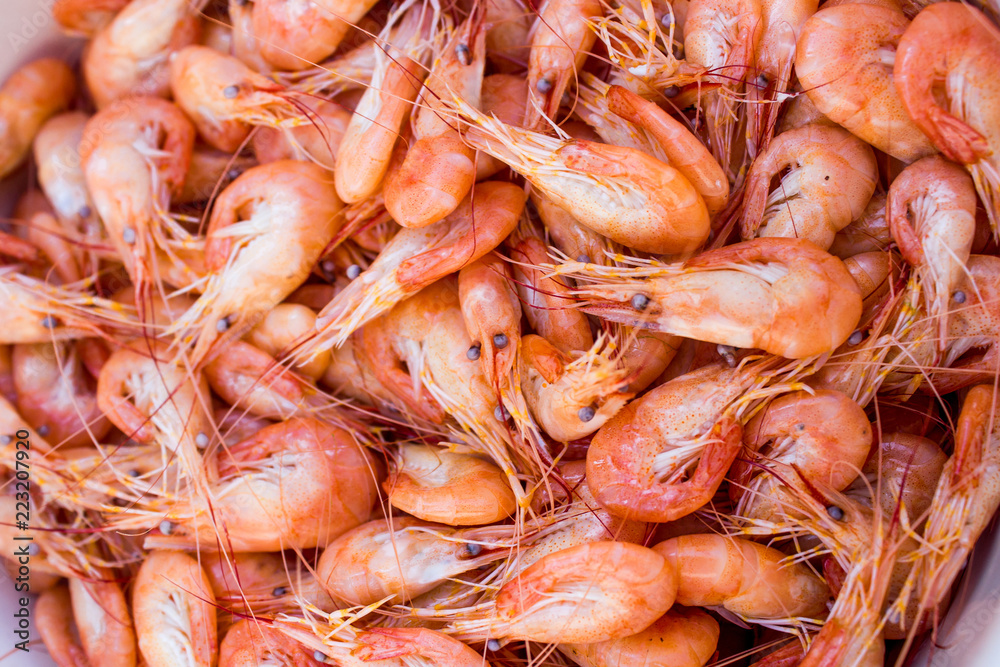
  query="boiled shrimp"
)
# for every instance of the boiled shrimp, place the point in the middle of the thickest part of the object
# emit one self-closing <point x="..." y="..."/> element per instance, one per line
<point x="755" y="582"/>
<point x="282" y="329"/>
<point x="174" y="612"/>
<point x="957" y="44"/>
<point x="844" y="60"/>
<point x="317" y="141"/>
<point x="750" y="294"/>
<point x="680" y="638"/>
<point x="247" y="644"/>
<point x="867" y="233"/>
<point x="492" y="314"/>
<point x="414" y="259"/>
<point x="131" y="55"/>
<point x="436" y="484"/>
<point x="294" y="35"/>
<point x="560" y="41"/>
<point x="103" y="621"/>
<point x="266" y="233"/>
<point x="439" y="168"/>
<point x="32" y="95"/>
<point x="86" y="18"/>
<point x="932" y="215"/>
<point x="617" y="191"/>
<point x="830" y="179"/>
<point x="54" y="616"/>
<point x="973" y="328"/>
<point x="401" y="558"/>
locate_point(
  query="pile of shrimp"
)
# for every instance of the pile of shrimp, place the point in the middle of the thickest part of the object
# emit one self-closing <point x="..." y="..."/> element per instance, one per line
<point x="589" y="332"/>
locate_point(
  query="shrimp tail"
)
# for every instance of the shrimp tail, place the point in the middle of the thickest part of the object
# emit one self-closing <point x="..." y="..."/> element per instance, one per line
<point x="955" y="138"/>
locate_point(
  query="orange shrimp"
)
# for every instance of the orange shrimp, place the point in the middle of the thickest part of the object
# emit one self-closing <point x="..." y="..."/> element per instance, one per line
<point x="867" y="233"/>
<point x="249" y="379"/>
<point x="294" y="35"/>
<point x="683" y="637"/>
<point x="561" y="39"/>
<point x="32" y="95"/>
<point x="131" y="55"/>
<point x="54" y="616"/>
<point x="932" y="215"/>
<point x="955" y="43"/>
<point x="174" y="612"/>
<point x="439" y="168"/>
<point x="317" y="141"/>
<point x="782" y="295"/>
<point x="492" y="314"/>
<point x="86" y="18"/>
<point x="974" y="328"/>
<point x="844" y="60"/>
<point x="827" y="177"/>
<point x="267" y="231"/>
<point x="436" y="484"/>
<point x="414" y="259"/>
<point x="248" y="644"/>
<point x="103" y="621"/>
<point x="282" y="329"/>
<point x="585" y="594"/>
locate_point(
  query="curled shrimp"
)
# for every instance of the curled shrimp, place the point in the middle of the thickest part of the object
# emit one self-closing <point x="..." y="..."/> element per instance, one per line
<point x="263" y="582"/>
<point x="131" y="55"/>
<point x="584" y="594"/>
<point x="830" y="178"/>
<point x="400" y="559"/>
<point x="85" y="18"/>
<point x="267" y="231"/>
<point x="844" y="60"/>
<point x="492" y="314"/>
<point x="32" y="95"/>
<point x="135" y="154"/>
<point x="932" y="214"/>
<point x="292" y="485"/>
<point x="414" y="259"/>
<point x="956" y="44"/>
<point x="637" y="462"/>
<point x="316" y="141"/>
<point x="435" y="484"/>
<point x="867" y="233"/>
<point x="680" y="638"/>
<point x="103" y="621"/>
<point x="618" y="191"/>
<point x="248" y="643"/>
<point x="572" y="396"/>
<point x="561" y="39"/>
<point x="439" y="168"/>
<point x="749" y="579"/>
<point x="282" y="329"/>
<point x="683" y="149"/>
<point x="785" y="296"/>
<point x="294" y="35"/>
<point x="825" y="435"/>
<point x="973" y="328"/>
<point x="56" y="394"/>
<point x="174" y="612"/>
<point x="367" y="146"/>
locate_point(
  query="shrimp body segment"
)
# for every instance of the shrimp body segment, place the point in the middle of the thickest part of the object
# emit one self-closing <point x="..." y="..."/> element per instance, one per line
<point x="785" y="296"/>
<point x="31" y="96"/>
<point x="683" y="637"/>
<point x="492" y="312"/>
<point x="747" y="578"/>
<point x="249" y="644"/>
<point x="434" y="484"/>
<point x="830" y="177"/>
<point x="844" y="61"/>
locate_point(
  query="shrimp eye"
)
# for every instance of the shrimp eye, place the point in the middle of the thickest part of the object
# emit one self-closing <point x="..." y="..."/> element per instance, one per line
<point x="959" y="296"/>
<point x="34" y="549"/>
<point x="583" y="259"/>
<point x="855" y="338"/>
<point x="640" y="301"/>
<point x="492" y="645"/>
<point x="672" y="91"/>
<point x="474" y="352"/>
<point x="133" y="472"/>
<point x="474" y="549"/>
<point x="49" y="322"/>
<point x="201" y="440"/>
<point x="166" y="527"/>
<point x="319" y="656"/>
<point x="500" y="340"/>
<point x="543" y="85"/>
<point x="229" y="92"/>
<point x="501" y="414"/>
<point x="800" y="427"/>
<point x="353" y="271"/>
<point x="835" y="512"/>
<point x="279" y="591"/>
<point x="728" y="353"/>
<point x="5" y="439"/>
<point x="762" y="81"/>
<point x="223" y="324"/>
<point x="586" y="413"/>
<point x="43" y="430"/>
<point x="463" y="53"/>
<point x="128" y="235"/>
<point x="328" y="267"/>
<point x="85" y="211"/>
